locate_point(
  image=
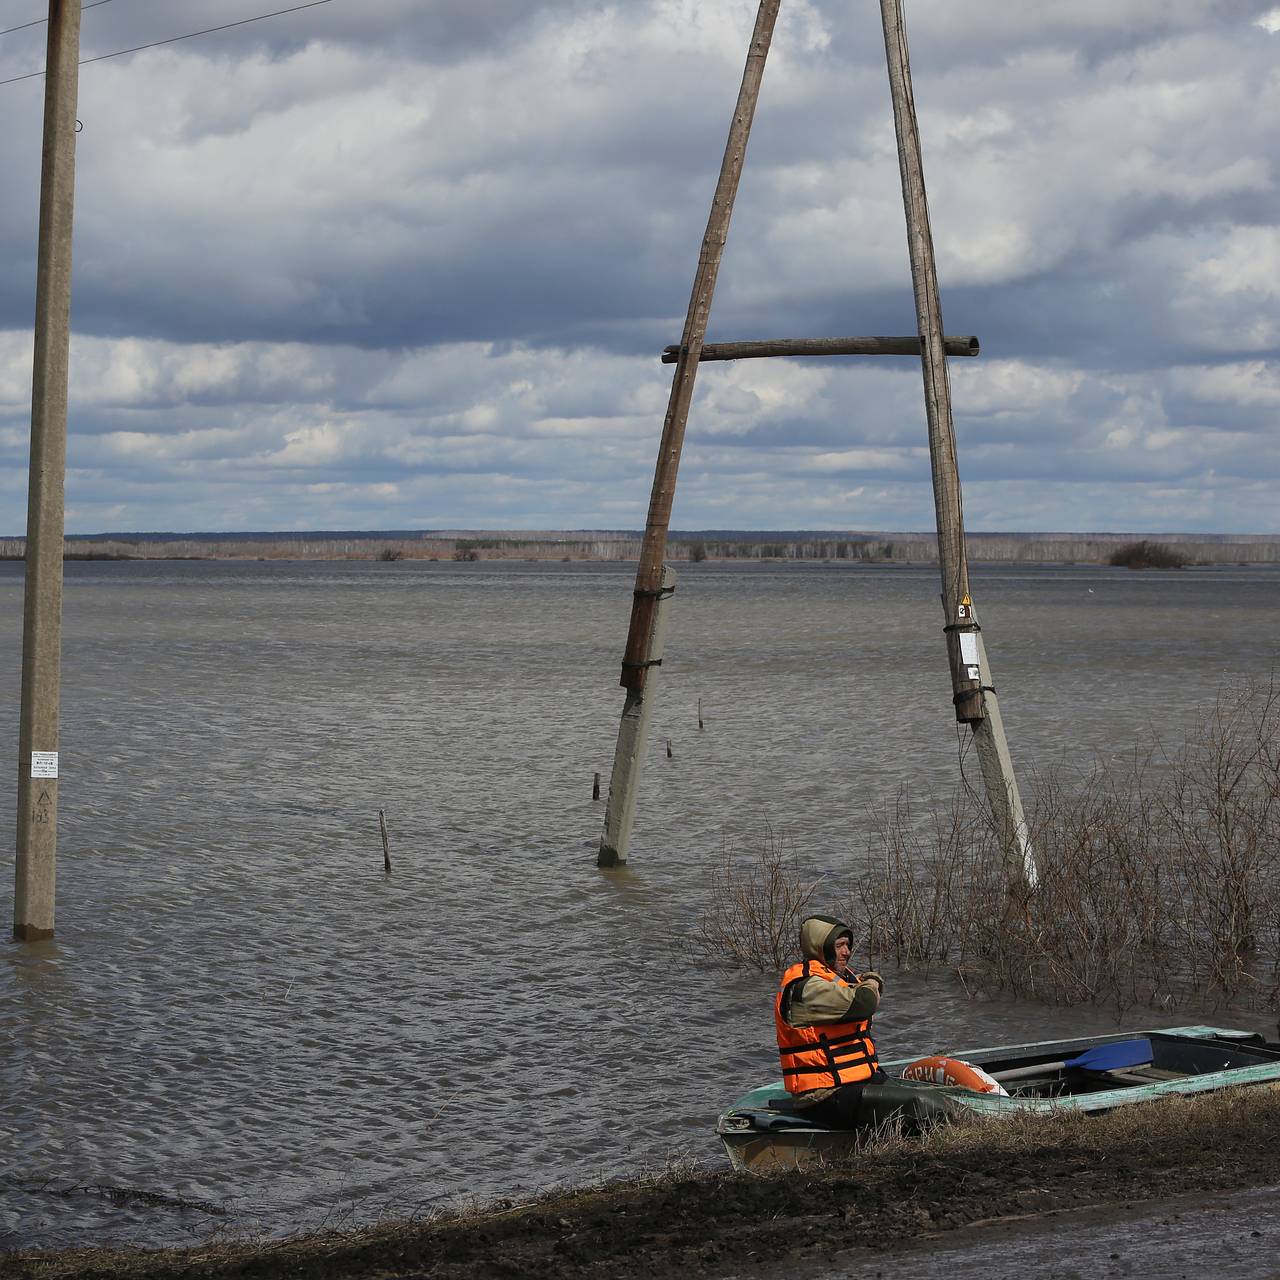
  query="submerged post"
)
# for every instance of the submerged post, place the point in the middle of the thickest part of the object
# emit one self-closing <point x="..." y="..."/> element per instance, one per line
<point x="34" y="871"/>
<point x="633" y="738"/>
<point x="973" y="694"/>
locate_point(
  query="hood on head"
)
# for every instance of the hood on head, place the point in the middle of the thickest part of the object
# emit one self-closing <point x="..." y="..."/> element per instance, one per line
<point x="818" y="936"/>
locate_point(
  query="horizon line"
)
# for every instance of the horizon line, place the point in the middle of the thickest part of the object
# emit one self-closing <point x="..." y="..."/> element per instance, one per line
<point x="453" y="532"/>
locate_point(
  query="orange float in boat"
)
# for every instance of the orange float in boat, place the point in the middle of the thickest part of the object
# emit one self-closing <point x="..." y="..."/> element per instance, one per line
<point x="952" y="1071"/>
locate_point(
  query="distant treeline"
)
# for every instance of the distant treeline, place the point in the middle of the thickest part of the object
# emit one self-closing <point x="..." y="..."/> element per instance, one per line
<point x="470" y="545"/>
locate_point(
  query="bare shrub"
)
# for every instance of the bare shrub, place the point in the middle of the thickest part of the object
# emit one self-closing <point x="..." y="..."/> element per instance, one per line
<point x="756" y="909"/>
<point x="1095" y="930"/>
<point x="1159" y="875"/>
<point x="1159" y="880"/>
<point x="1221" y="817"/>
<point x="910" y="899"/>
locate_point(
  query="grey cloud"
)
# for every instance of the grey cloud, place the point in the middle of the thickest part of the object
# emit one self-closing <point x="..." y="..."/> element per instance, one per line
<point x="992" y="32"/>
<point x="437" y="31"/>
<point x="378" y="253"/>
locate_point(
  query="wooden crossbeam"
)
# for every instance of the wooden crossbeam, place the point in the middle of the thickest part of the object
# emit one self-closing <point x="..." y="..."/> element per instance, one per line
<point x="966" y="346"/>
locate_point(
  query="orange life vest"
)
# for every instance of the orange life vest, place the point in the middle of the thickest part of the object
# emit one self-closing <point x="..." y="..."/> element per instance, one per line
<point x="835" y="1053"/>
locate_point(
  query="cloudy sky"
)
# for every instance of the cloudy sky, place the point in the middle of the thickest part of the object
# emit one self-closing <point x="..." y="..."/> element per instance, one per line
<point x="410" y="264"/>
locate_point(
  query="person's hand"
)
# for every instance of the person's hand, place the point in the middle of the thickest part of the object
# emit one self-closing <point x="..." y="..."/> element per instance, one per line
<point x="872" y="976"/>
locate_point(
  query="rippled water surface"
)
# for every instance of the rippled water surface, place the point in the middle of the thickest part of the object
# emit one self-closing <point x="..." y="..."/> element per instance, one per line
<point x="240" y="1009"/>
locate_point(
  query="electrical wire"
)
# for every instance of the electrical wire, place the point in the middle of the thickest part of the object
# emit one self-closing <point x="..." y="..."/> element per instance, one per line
<point x="155" y="44"/>
<point x="36" y="22"/>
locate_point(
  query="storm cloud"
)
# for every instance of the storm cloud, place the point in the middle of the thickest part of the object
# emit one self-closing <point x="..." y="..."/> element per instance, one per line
<point x="393" y="265"/>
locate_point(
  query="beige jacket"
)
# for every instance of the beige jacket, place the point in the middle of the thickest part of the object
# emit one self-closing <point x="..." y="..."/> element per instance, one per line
<point x="816" y="1000"/>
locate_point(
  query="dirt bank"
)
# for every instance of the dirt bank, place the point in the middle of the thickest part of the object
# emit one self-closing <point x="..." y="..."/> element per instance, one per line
<point x="725" y="1224"/>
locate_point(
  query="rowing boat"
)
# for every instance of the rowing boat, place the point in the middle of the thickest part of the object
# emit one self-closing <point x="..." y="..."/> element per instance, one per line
<point x="764" y="1130"/>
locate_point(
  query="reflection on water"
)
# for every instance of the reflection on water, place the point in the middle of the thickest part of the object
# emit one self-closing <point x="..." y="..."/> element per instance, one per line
<point x="239" y="1007"/>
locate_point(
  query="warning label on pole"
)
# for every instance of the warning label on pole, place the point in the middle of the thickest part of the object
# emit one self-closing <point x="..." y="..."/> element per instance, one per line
<point x="44" y="764"/>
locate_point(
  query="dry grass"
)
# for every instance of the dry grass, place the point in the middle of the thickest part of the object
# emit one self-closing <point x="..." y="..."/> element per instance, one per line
<point x="1169" y="1131"/>
<point x="1209" y="1122"/>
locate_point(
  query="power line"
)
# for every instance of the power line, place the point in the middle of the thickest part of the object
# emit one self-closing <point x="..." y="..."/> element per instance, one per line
<point x="155" y="44"/>
<point x="24" y="25"/>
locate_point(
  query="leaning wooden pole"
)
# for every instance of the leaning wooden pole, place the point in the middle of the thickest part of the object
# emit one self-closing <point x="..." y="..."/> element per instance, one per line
<point x="34" y="871"/>
<point x="636" y="661"/>
<point x="972" y="690"/>
<point x="654" y="546"/>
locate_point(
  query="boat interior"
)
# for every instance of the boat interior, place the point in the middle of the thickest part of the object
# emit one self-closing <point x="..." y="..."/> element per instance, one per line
<point x="1045" y="1075"/>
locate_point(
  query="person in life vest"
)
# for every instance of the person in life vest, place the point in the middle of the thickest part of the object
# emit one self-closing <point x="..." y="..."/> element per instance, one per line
<point x="822" y="1014"/>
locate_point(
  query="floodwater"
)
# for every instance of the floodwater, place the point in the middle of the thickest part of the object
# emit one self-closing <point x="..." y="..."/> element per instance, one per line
<point x="241" y="1013"/>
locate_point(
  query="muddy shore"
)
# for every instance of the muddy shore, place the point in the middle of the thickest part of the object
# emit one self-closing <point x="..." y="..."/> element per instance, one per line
<point x="902" y="1193"/>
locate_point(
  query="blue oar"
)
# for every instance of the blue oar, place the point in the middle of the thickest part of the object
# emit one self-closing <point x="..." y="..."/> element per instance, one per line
<point x="1103" y="1057"/>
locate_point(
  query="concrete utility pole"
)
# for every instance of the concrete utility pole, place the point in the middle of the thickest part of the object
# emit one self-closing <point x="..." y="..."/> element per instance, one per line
<point x="637" y="664"/>
<point x="973" y="694"/>
<point x="633" y="739"/>
<point x="33" y="896"/>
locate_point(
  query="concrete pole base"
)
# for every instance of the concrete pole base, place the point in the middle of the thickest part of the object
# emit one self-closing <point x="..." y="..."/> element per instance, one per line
<point x="30" y="933"/>
<point x="633" y="738"/>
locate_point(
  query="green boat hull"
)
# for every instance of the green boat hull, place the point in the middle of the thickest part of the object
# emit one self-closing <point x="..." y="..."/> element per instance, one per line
<point x="762" y="1133"/>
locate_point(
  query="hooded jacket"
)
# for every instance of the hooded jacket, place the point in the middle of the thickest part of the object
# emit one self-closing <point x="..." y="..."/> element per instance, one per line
<point x="823" y="1017"/>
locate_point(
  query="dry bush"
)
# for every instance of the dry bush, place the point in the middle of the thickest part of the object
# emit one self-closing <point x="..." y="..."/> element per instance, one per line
<point x="917" y="887"/>
<point x="756" y="909"/>
<point x="1159" y="875"/>
<point x="1221" y="819"/>
<point x="1096" y="928"/>
<point x="1159" y="880"/>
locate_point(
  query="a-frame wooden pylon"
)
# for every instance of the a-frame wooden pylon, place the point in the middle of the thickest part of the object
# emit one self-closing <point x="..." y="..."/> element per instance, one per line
<point x="973" y="694"/>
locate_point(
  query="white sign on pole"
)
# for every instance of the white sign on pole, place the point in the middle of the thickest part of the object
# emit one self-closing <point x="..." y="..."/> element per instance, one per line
<point x="44" y="764"/>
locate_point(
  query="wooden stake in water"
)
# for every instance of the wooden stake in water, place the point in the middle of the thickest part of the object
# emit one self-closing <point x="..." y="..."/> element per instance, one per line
<point x="699" y="713"/>
<point x="386" y="842"/>
<point x="595" y="788"/>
